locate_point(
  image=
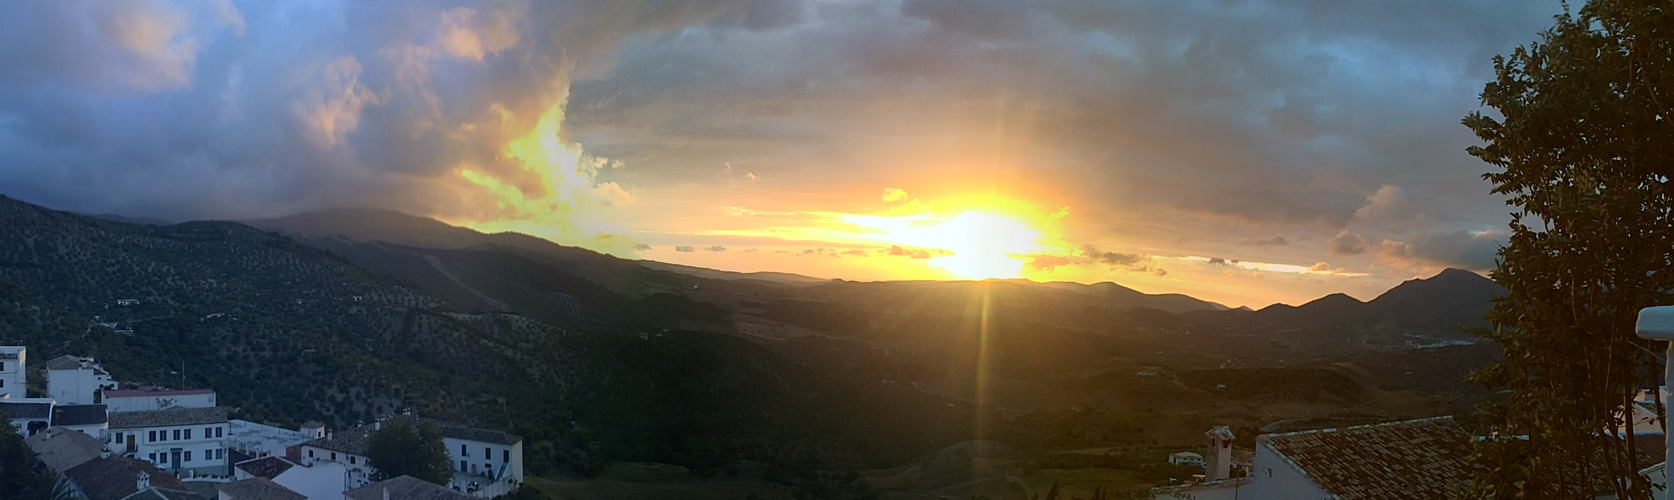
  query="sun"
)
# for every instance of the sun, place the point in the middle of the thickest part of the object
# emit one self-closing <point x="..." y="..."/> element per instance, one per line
<point x="972" y="245"/>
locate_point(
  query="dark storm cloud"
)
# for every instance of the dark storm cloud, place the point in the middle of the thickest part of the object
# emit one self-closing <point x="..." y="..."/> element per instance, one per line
<point x="1346" y="243"/>
<point x="1462" y="249"/>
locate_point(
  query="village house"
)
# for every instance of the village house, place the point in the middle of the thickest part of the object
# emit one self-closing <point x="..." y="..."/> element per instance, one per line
<point x="1185" y="458"/>
<point x="60" y="449"/>
<point x="29" y="415"/>
<point x="403" y="487"/>
<point x="486" y="463"/>
<point x="89" y="419"/>
<point x="76" y="381"/>
<point x="178" y="439"/>
<point x="324" y="480"/>
<point x="120" y="478"/>
<point x="12" y="371"/>
<point x="257" y="488"/>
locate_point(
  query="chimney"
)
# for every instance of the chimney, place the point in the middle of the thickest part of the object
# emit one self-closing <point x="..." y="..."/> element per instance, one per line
<point x="104" y="453"/>
<point x="144" y="481"/>
<point x="1217" y="463"/>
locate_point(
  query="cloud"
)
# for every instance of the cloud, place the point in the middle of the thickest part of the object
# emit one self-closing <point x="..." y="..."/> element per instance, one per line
<point x="916" y="253"/>
<point x="894" y="194"/>
<point x="856" y="253"/>
<point x="1346" y="243"/>
<point x="1320" y="267"/>
<point x="641" y="247"/>
<point x="1091" y="255"/>
<point x="1471" y="250"/>
<point x="715" y="248"/>
<point x="1267" y="242"/>
<point x="685" y="248"/>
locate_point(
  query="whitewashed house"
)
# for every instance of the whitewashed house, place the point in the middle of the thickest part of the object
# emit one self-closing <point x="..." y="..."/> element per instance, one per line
<point x="151" y="399"/>
<point x="325" y="480"/>
<point x="175" y="439"/>
<point x="76" y="381"/>
<point x="29" y="415"/>
<point x="255" y="440"/>
<point x="89" y="419"/>
<point x="12" y="373"/>
<point x="486" y="463"/>
<point x="1185" y="458"/>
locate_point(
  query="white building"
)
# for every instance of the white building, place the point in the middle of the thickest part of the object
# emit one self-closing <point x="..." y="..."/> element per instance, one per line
<point x="486" y="463"/>
<point x="148" y="399"/>
<point x="89" y="419"/>
<point x="29" y="415"/>
<point x="76" y="381"/>
<point x="12" y="373"/>
<point x="325" y="480"/>
<point x="256" y="440"/>
<point x="176" y="439"/>
<point x="1185" y="458"/>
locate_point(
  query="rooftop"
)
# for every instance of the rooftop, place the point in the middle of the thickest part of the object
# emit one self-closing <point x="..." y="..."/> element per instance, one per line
<point x="60" y="448"/>
<point x="1410" y="459"/>
<point x="117" y="477"/>
<point x="254" y="438"/>
<point x="404" y="488"/>
<point x="78" y="415"/>
<point x="354" y="440"/>
<point x="258" y="488"/>
<point x="268" y="467"/>
<point x="129" y="393"/>
<point x="27" y="409"/>
<point x="168" y="417"/>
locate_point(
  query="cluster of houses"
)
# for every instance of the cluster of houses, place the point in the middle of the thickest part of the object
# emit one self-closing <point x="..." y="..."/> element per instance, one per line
<point x="114" y="443"/>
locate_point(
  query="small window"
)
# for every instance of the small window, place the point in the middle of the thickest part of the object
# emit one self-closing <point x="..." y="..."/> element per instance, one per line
<point x="351" y="459"/>
<point x="334" y="455"/>
<point x="188" y="434"/>
<point x="487" y="454"/>
<point x="310" y="453"/>
<point x="220" y="454"/>
<point x="463" y="453"/>
<point x="151" y="436"/>
<point x="177" y="434"/>
<point x="209" y="454"/>
<point x="462" y="466"/>
<point x="220" y="431"/>
<point x="505" y="456"/>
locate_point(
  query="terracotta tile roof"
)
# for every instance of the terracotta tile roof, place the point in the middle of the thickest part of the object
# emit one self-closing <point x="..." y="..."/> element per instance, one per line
<point x="268" y="467"/>
<point x="65" y="362"/>
<point x="1411" y="459"/>
<point x="258" y="488"/>
<point x="169" y="417"/>
<point x="404" y="488"/>
<point x="116" y="477"/>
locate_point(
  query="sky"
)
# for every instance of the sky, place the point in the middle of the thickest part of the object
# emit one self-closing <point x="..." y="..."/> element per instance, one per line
<point x="1246" y="152"/>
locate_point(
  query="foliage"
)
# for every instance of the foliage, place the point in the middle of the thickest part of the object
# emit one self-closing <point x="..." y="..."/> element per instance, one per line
<point x="1583" y="152"/>
<point x="400" y="448"/>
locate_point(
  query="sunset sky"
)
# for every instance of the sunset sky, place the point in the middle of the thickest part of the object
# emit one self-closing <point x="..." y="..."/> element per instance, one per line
<point x="1246" y="152"/>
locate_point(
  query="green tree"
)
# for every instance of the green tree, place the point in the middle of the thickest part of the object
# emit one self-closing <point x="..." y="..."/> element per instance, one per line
<point x="17" y="462"/>
<point x="401" y="448"/>
<point x="1582" y="149"/>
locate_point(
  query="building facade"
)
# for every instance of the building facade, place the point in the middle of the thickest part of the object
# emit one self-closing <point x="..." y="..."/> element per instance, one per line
<point x="176" y="439"/>
<point x="12" y="373"/>
<point x="76" y="381"/>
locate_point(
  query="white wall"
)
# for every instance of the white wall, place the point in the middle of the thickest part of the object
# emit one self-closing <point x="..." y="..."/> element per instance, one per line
<point x="1274" y="478"/>
<point x="13" y="360"/>
<point x="158" y="402"/>
<point x="474" y="457"/>
<point x="160" y="451"/>
<point x="360" y="474"/>
<point x="323" y="481"/>
<point x="76" y="387"/>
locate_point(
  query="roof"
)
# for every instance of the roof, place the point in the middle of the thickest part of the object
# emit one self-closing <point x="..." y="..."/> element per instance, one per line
<point x="116" y="477"/>
<point x="78" y="414"/>
<point x="268" y="467"/>
<point x="1410" y="459"/>
<point x="313" y="424"/>
<point x="61" y="449"/>
<point x="169" y="417"/>
<point x="1185" y="454"/>
<point x="354" y="440"/>
<point x="129" y="393"/>
<point x="404" y="488"/>
<point x="258" y="488"/>
<point x="164" y="494"/>
<point x="65" y="362"/>
<point x="23" y="410"/>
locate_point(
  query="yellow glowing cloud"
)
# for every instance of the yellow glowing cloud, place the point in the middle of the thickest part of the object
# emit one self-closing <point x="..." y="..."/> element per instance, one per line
<point x="566" y="203"/>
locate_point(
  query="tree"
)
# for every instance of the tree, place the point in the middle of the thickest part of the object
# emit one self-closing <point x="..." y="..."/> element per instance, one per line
<point x="17" y="462"/>
<point x="401" y="448"/>
<point x="1583" y="150"/>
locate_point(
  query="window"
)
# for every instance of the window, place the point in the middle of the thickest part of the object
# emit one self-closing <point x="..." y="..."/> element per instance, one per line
<point x="220" y="431"/>
<point x="188" y="434"/>
<point x="461" y="466"/>
<point x="488" y="469"/>
<point x="505" y="456"/>
<point x="208" y="432"/>
<point x="463" y="453"/>
<point x="153" y="457"/>
<point x="220" y="454"/>
<point x="208" y="454"/>
<point x="487" y="454"/>
<point x="351" y="459"/>
<point x="334" y="455"/>
<point x="177" y="434"/>
<point x="188" y="456"/>
<point x="310" y="453"/>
